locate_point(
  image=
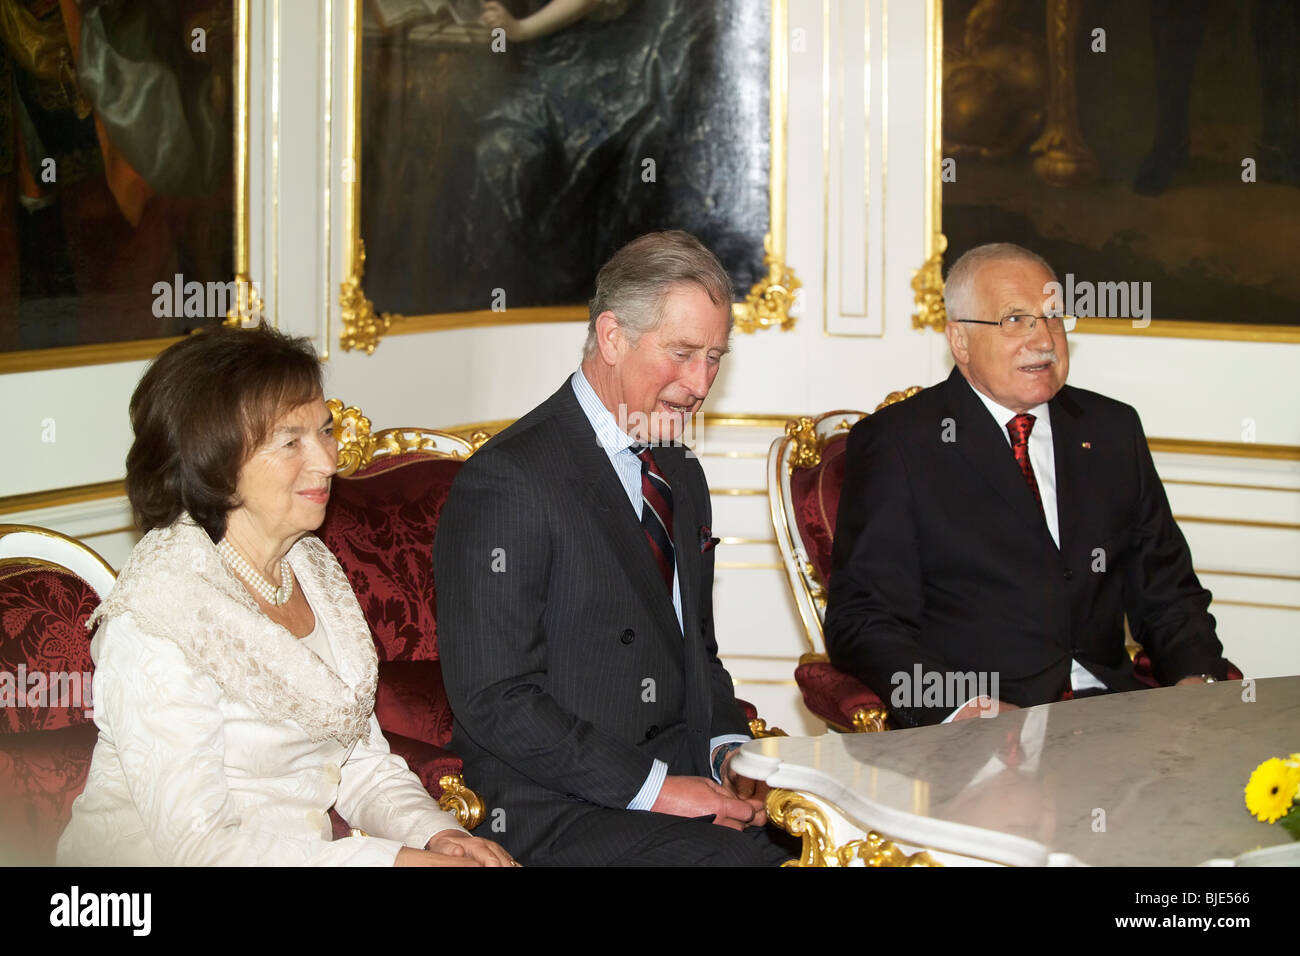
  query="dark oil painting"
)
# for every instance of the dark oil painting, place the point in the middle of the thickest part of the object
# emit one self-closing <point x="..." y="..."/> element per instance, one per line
<point x="115" y="166"/>
<point x="1180" y="165"/>
<point x="523" y="168"/>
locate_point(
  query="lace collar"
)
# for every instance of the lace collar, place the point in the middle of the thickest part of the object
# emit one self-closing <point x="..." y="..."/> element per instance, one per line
<point x="176" y="587"/>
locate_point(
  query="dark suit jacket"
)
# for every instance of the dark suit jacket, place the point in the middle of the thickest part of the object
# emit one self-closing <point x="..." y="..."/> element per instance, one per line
<point x="942" y="556"/>
<point x="564" y="664"/>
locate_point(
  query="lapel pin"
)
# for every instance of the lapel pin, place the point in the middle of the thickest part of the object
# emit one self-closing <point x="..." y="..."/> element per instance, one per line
<point x="1087" y="444"/>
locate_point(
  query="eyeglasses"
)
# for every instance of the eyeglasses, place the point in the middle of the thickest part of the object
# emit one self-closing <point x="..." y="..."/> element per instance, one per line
<point x="1018" y="326"/>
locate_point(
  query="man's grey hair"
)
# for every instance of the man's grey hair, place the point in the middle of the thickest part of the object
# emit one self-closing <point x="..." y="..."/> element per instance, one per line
<point x="634" y="283"/>
<point x="959" y="287"/>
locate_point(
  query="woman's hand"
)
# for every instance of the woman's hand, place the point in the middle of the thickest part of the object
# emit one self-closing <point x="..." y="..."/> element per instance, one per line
<point x="407" y="856"/>
<point x="457" y="844"/>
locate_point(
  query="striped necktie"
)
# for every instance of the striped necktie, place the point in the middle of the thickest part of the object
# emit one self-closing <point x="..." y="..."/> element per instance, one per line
<point x="656" y="512"/>
<point x="1019" y="428"/>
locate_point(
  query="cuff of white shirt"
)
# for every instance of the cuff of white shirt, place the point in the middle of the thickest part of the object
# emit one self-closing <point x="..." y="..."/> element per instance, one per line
<point x="649" y="792"/>
<point x="721" y="739"/>
<point x="948" y="719"/>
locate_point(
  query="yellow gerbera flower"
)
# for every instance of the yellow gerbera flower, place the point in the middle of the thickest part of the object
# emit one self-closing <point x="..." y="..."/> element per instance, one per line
<point x="1271" y="789"/>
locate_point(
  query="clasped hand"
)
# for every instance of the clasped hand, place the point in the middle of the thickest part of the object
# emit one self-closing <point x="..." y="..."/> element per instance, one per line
<point x="454" y="848"/>
<point x="737" y="803"/>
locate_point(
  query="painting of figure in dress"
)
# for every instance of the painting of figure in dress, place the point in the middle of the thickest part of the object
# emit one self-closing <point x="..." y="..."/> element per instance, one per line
<point x="509" y="148"/>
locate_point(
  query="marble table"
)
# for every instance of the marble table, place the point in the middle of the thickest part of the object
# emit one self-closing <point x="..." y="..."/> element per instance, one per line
<point x="1150" y="778"/>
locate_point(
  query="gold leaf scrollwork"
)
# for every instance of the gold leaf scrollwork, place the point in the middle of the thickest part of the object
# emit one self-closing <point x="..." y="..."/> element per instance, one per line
<point x="246" y="311"/>
<point x="805" y="447"/>
<point x="758" y="729"/>
<point x="771" y="298"/>
<point x="352" y="432"/>
<point x="460" y="801"/>
<point x="800" y="816"/>
<point x="362" y="328"/>
<point x="869" y="720"/>
<point x="893" y="398"/>
<point x="875" y="850"/>
<point x="927" y="284"/>
<point x="479" y="437"/>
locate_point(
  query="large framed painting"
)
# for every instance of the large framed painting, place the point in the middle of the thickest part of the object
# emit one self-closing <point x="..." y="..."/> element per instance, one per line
<point x="117" y="176"/>
<point x="1149" y="149"/>
<point x="501" y="152"/>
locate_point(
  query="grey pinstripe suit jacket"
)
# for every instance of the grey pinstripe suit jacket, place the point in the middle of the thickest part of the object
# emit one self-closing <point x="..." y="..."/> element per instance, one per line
<point x="561" y="653"/>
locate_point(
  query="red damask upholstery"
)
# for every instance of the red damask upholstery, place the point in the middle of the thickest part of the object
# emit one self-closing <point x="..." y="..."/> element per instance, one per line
<point x="815" y="493"/>
<point x="47" y="730"/>
<point x="833" y="695"/>
<point x="380" y="524"/>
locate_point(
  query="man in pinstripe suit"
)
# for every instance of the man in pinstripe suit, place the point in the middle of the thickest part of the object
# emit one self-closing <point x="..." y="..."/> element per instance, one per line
<point x="574" y="563"/>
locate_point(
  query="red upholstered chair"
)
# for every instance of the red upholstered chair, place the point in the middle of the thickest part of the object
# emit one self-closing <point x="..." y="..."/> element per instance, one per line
<point x="805" y="472"/>
<point x="49" y="586"/>
<point x="380" y="522"/>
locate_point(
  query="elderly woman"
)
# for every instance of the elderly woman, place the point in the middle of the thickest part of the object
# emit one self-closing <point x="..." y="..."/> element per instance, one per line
<point x="235" y="675"/>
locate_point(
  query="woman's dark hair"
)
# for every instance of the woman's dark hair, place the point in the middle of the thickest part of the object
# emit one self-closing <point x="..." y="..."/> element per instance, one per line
<point x="201" y="410"/>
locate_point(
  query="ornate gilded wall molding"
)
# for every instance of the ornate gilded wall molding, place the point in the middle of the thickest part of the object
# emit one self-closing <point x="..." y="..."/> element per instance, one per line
<point x="362" y="328"/>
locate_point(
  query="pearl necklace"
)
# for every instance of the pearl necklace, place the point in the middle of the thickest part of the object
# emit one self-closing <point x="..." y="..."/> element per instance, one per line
<point x="277" y="597"/>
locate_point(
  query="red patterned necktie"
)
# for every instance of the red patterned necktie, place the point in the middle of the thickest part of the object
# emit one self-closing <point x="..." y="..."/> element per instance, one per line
<point x="656" y="512"/>
<point x="1019" y="428"/>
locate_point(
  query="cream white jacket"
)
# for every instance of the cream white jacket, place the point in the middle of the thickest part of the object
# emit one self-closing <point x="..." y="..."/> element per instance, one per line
<point x="187" y="773"/>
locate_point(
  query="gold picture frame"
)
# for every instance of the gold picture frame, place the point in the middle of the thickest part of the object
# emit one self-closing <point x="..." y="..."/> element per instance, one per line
<point x="72" y="356"/>
<point x="927" y="281"/>
<point x="767" y="304"/>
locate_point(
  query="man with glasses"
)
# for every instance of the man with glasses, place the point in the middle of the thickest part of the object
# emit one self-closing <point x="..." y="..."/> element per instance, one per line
<point x="1000" y="526"/>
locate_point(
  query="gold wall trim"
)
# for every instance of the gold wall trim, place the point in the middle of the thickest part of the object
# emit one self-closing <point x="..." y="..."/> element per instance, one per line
<point x="767" y="305"/>
<point x="253" y="305"/>
<point x="739" y="493"/>
<point x="99" y="534"/>
<point x="782" y="658"/>
<point x="1239" y="522"/>
<point x="72" y="356"/>
<point x="62" y="496"/>
<point x="927" y="281"/>
<point x="484" y="318"/>
<point x="725" y="539"/>
<point x="1227" y="484"/>
<point x="1267" y="607"/>
<point x="1228" y="449"/>
<point x="1182" y="329"/>
<point x="1250" y="574"/>
<point x="767" y="681"/>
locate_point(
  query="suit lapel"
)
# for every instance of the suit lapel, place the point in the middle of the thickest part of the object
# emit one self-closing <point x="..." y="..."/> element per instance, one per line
<point x="594" y="480"/>
<point x="983" y="443"/>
